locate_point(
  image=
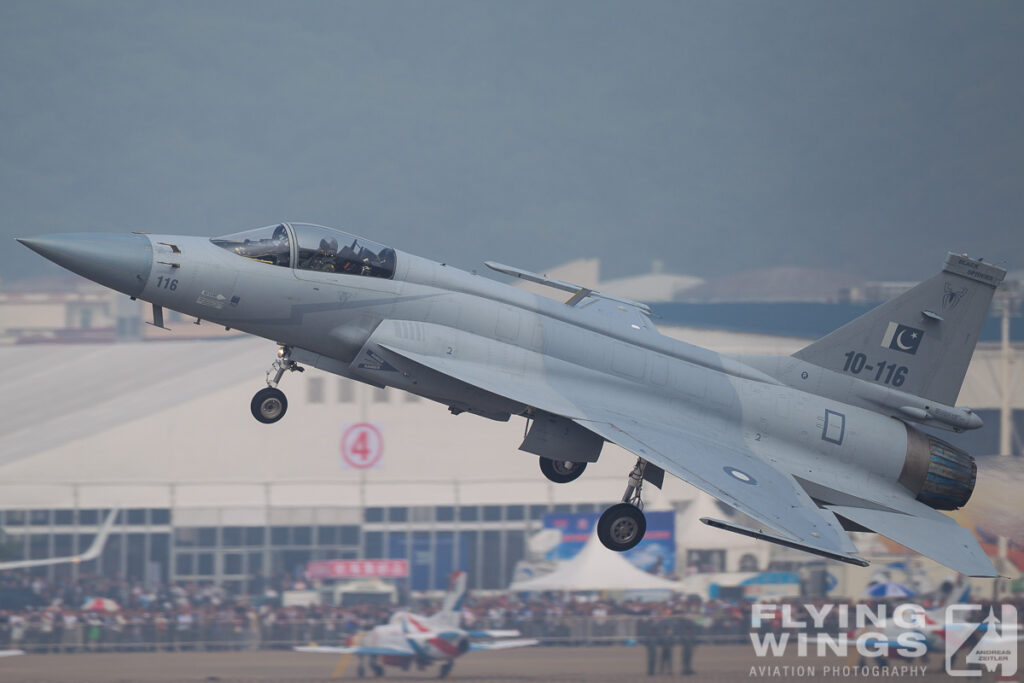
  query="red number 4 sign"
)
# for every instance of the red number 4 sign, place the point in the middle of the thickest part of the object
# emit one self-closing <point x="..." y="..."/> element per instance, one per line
<point x="361" y="446"/>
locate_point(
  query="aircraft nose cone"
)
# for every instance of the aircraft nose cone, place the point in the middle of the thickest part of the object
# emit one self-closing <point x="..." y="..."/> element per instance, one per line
<point x="118" y="261"/>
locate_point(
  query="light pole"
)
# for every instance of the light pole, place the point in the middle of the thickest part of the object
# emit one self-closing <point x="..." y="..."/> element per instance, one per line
<point x="1008" y="298"/>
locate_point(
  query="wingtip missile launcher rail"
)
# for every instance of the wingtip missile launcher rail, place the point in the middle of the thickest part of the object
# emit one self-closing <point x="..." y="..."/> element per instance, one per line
<point x="579" y="292"/>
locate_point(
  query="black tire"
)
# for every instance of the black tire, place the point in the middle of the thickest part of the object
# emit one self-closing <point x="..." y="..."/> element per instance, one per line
<point x="269" y="405"/>
<point x="561" y="471"/>
<point x="621" y="527"/>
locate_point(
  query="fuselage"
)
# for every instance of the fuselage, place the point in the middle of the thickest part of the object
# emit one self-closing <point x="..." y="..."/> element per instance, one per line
<point x="826" y="442"/>
<point x="292" y="284"/>
<point x="414" y="633"/>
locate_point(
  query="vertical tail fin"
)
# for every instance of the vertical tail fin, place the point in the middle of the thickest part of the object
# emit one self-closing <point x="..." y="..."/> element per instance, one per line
<point x="451" y="610"/>
<point x="922" y="341"/>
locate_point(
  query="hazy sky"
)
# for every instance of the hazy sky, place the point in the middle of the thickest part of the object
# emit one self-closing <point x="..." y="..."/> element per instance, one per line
<point x="717" y="136"/>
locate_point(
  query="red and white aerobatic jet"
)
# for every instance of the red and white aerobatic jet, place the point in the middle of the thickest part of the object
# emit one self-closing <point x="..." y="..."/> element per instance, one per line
<point x="410" y="639"/>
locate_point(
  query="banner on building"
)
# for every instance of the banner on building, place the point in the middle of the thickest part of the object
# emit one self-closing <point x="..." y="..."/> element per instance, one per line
<point x="358" y="569"/>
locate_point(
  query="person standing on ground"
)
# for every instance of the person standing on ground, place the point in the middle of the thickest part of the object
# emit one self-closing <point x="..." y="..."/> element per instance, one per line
<point x="666" y="641"/>
<point x="645" y="634"/>
<point x="688" y="641"/>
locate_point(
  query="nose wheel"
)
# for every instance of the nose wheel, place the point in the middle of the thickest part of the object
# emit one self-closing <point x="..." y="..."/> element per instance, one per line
<point x="561" y="471"/>
<point x="269" y="404"/>
<point x="623" y="525"/>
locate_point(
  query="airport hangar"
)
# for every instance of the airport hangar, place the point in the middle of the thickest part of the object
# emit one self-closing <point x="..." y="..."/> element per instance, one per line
<point x="162" y="429"/>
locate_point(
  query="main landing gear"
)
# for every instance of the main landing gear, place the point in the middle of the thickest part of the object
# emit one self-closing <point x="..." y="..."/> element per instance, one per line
<point x="446" y="669"/>
<point x="269" y="404"/>
<point x="561" y="471"/>
<point x="375" y="668"/>
<point x="623" y="525"/>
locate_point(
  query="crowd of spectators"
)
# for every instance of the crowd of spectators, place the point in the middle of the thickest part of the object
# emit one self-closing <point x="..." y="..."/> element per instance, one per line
<point x="37" y="615"/>
<point x="53" y="617"/>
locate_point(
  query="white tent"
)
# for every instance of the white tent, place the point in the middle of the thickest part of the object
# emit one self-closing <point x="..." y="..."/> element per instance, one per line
<point x="595" y="568"/>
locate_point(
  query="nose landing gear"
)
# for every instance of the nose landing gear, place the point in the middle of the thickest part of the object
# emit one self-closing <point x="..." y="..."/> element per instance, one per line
<point x="269" y="404"/>
<point x="623" y="525"/>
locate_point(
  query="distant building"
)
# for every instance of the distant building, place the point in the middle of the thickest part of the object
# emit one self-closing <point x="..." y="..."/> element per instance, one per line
<point x="656" y="286"/>
<point x="779" y="284"/>
<point x="876" y="292"/>
<point x="71" y="310"/>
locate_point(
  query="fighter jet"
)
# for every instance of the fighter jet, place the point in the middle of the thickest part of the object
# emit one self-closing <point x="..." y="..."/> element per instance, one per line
<point x="409" y="639"/>
<point x="807" y="446"/>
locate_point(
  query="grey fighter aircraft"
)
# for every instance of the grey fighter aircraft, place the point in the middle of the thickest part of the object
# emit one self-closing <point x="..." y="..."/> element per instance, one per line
<point x="807" y="446"/>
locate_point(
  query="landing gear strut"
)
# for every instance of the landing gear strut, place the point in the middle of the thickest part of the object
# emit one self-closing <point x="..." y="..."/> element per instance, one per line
<point x="376" y="668"/>
<point x="561" y="471"/>
<point x="269" y="404"/>
<point x="623" y="525"/>
<point x="446" y="669"/>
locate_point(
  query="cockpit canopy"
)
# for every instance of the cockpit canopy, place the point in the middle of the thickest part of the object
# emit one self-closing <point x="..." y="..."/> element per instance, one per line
<point x="271" y="244"/>
<point x="312" y="247"/>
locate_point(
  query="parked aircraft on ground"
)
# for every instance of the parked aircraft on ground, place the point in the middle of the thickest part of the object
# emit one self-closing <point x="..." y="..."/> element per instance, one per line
<point x="807" y="446"/>
<point x="410" y="639"/>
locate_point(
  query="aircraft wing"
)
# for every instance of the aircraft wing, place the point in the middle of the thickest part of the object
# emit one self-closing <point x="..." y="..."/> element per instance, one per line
<point x="358" y="650"/>
<point x="776" y="499"/>
<point x="495" y="633"/>
<point x="717" y="461"/>
<point x="503" y="644"/>
<point x="733" y="474"/>
<point x="720" y="464"/>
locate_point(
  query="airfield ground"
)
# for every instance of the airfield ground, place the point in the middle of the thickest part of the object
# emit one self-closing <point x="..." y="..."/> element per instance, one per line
<point x="556" y="664"/>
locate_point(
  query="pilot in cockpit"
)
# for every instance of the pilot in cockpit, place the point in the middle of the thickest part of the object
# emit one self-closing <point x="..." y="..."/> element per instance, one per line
<point x="348" y="260"/>
<point x="323" y="258"/>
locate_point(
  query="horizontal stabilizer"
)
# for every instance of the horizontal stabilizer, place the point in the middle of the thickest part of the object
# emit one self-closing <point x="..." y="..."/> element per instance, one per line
<point x="943" y="540"/>
<point x="781" y="540"/>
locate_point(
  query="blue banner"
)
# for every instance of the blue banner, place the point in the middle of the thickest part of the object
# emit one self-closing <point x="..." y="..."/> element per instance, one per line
<point x="655" y="554"/>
